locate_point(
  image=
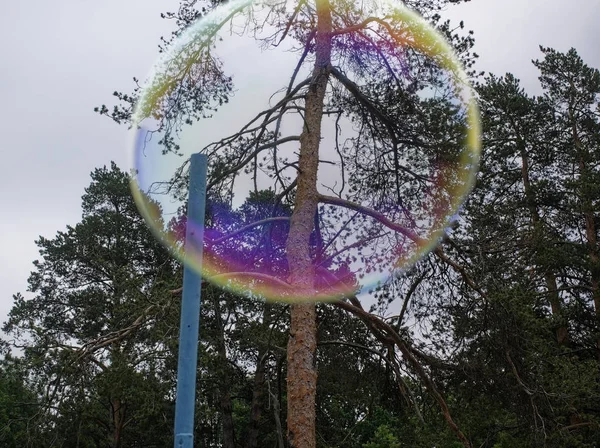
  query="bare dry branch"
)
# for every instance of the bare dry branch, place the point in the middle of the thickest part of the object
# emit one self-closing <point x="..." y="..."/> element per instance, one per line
<point x="408" y="355"/>
<point x="373" y="214"/>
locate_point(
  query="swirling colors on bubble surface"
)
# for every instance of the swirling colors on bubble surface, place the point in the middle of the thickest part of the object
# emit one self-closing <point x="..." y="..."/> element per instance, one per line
<point x="366" y="233"/>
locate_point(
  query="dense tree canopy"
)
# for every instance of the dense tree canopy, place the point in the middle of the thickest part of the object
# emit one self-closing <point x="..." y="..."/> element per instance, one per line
<point x="402" y="95"/>
<point x="492" y="340"/>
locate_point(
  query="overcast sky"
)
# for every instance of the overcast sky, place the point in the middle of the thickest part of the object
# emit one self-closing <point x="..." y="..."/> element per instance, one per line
<point x="60" y="59"/>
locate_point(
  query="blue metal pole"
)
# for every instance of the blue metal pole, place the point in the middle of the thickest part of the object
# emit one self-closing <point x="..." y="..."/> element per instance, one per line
<point x="190" y="307"/>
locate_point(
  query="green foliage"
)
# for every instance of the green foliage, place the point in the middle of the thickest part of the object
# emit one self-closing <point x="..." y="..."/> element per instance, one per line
<point x="510" y="338"/>
<point x="96" y="282"/>
<point x="527" y="341"/>
<point x="18" y="404"/>
<point x="384" y="438"/>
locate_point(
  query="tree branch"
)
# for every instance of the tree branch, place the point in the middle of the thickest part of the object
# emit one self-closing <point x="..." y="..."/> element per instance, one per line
<point x="249" y="158"/>
<point x="380" y="116"/>
<point x="386" y="329"/>
<point x="248" y="227"/>
<point x="462" y="271"/>
<point x="373" y="214"/>
<point x="402" y="386"/>
<point x="409" y="294"/>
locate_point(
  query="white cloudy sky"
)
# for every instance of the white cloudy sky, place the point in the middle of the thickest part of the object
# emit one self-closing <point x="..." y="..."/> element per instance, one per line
<point x="62" y="58"/>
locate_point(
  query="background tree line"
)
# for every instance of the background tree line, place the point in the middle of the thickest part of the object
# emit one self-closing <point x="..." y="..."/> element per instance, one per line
<point x="497" y="343"/>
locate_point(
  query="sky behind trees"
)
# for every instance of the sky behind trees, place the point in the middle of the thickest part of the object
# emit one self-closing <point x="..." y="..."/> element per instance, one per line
<point x="62" y="59"/>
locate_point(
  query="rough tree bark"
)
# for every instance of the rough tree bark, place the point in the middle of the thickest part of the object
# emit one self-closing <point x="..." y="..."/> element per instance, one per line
<point x="302" y="345"/>
<point x="590" y="225"/>
<point x="118" y="421"/>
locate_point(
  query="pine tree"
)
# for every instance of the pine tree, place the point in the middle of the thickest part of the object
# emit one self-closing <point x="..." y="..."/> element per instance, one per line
<point x="339" y="85"/>
<point x="91" y="331"/>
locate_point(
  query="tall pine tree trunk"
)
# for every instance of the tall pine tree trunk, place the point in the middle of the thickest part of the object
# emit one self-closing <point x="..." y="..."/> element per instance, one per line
<point x="590" y="225"/>
<point x="562" y="331"/>
<point x="302" y="345"/>
<point x="118" y="422"/>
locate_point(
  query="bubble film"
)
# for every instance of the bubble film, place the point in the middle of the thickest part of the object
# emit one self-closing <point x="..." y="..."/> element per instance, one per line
<point x="398" y="154"/>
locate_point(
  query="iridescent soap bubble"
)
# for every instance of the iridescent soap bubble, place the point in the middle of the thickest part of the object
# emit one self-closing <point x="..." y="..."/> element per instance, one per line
<point x="398" y="154"/>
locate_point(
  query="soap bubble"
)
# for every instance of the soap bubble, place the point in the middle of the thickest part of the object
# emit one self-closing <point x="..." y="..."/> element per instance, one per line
<point x="398" y="154"/>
